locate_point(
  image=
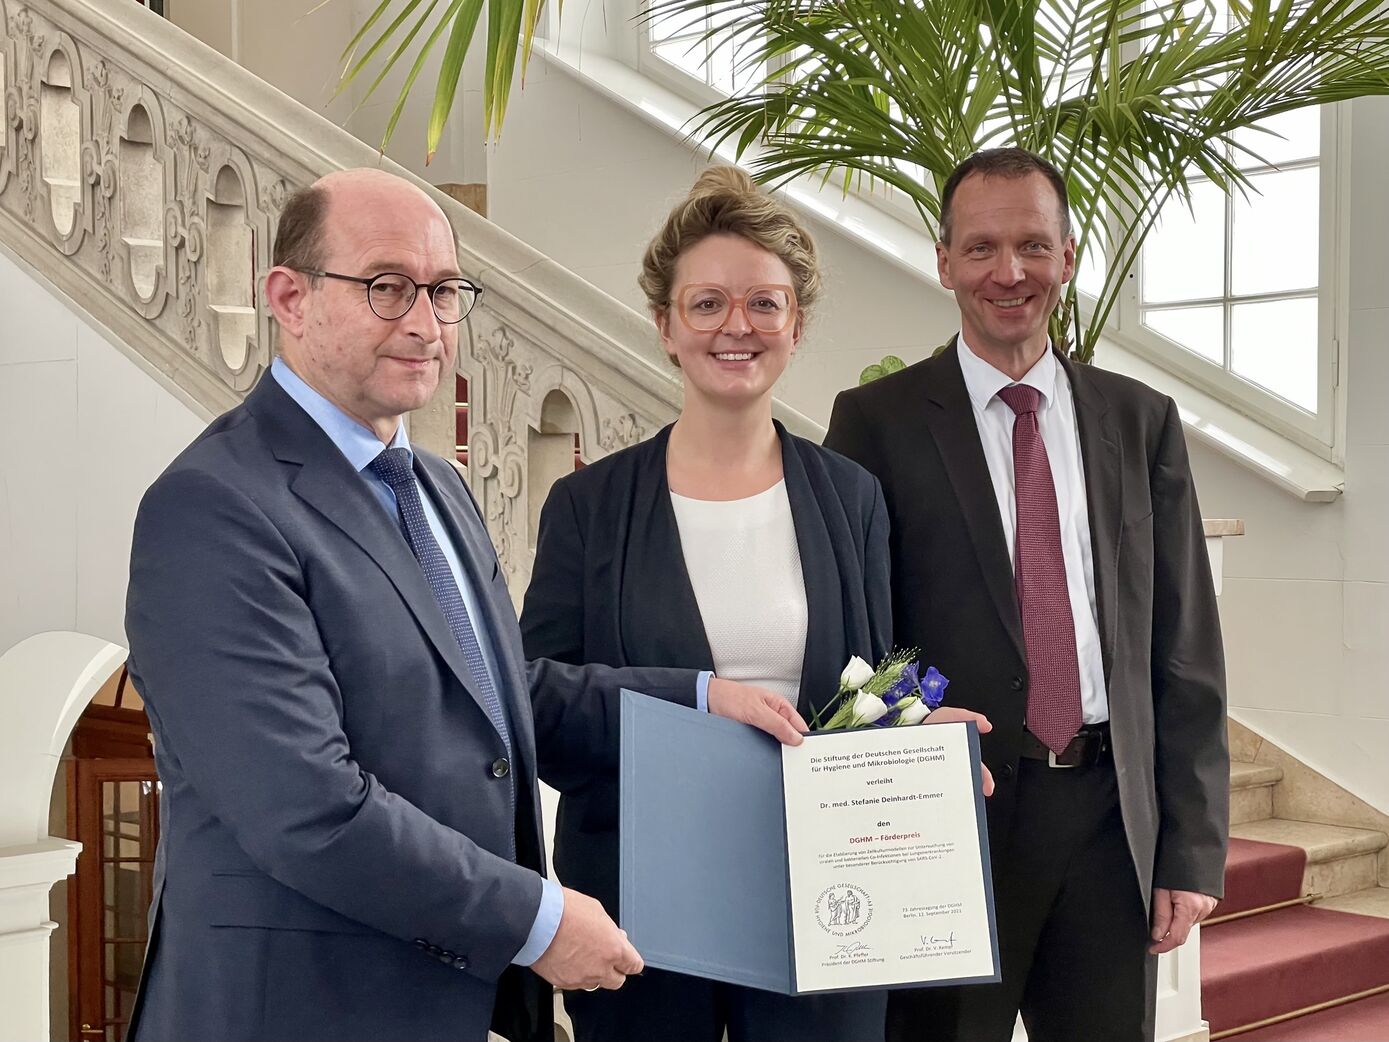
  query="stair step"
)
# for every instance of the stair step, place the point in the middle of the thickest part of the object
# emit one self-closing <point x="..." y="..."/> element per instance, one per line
<point x="1250" y="775"/>
<point x="1279" y="962"/>
<point x="1340" y="860"/>
<point x="1251" y="791"/>
<point x="1259" y="875"/>
<point x="1361" y="1021"/>
<point x="1374" y="901"/>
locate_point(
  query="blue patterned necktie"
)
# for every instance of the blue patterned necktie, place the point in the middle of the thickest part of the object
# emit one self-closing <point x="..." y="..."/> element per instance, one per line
<point x="393" y="467"/>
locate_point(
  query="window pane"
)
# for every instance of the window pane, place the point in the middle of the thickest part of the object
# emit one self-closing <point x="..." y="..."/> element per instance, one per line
<point x="1295" y="135"/>
<point x="1091" y="271"/>
<point x="666" y="24"/>
<point x="1184" y="257"/>
<point x="1201" y="330"/>
<point x="719" y="71"/>
<point x="1274" y="344"/>
<point x="686" y="54"/>
<point x="748" y="75"/>
<point x="1275" y="234"/>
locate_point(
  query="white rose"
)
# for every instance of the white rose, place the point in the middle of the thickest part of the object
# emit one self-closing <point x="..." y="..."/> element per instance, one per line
<point x="914" y="713"/>
<point x="868" y="708"/>
<point x="855" y="675"/>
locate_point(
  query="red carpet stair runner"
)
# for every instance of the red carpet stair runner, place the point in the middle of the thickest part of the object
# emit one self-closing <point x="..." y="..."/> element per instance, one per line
<point x="1269" y="954"/>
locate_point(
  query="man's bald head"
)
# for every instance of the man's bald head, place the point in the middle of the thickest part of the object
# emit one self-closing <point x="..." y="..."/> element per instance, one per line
<point x="337" y="239"/>
<point x="306" y="223"/>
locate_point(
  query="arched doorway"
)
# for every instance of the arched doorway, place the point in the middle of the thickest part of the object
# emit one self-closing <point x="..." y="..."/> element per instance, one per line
<point x="46" y="682"/>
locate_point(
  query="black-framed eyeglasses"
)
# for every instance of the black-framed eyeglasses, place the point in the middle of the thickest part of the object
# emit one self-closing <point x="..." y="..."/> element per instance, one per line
<point x="391" y="295"/>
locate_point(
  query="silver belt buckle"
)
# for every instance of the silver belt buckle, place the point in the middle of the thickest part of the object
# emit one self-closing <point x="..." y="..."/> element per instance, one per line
<point x="1051" y="761"/>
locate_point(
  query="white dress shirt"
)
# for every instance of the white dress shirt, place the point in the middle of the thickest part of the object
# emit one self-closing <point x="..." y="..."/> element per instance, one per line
<point x="745" y="568"/>
<point x="1056" y="418"/>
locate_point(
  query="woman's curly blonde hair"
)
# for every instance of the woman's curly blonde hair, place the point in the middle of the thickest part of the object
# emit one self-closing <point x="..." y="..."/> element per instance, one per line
<point x="724" y="200"/>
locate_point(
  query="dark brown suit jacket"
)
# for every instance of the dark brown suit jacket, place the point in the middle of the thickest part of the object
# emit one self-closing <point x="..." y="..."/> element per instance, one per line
<point x="952" y="586"/>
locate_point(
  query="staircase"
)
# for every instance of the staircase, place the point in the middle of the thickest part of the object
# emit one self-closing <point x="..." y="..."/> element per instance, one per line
<point x="1299" y="948"/>
<point x="460" y="426"/>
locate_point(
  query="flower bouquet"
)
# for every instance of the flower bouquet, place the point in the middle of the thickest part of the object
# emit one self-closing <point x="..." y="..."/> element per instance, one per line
<point x="895" y="694"/>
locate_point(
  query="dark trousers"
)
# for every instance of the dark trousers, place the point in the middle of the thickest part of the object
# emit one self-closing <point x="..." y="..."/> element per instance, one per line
<point x="1072" y="929"/>
<point x="670" y="1007"/>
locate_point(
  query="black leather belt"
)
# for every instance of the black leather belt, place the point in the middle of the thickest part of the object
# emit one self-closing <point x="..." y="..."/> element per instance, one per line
<point x="1090" y="746"/>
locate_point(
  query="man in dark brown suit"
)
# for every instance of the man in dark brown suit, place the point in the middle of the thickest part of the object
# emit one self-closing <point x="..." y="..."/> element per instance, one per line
<point x="1048" y="557"/>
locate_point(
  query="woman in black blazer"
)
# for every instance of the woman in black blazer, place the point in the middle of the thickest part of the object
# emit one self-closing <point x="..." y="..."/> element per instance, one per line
<point x="673" y="551"/>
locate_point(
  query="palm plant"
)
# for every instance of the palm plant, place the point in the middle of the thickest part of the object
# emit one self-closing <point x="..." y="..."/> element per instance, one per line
<point x="511" y="28"/>
<point x="1131" y="99"/>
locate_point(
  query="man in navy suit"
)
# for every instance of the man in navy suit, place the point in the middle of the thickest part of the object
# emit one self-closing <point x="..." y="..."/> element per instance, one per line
<point x="350" y="840"/>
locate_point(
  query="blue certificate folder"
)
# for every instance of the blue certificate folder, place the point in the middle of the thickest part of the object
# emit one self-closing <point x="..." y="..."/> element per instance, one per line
<point x="704" y="883"/>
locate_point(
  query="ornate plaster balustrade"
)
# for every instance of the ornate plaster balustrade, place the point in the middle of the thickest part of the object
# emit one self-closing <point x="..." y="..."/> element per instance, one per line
<point x="142" y="174"/>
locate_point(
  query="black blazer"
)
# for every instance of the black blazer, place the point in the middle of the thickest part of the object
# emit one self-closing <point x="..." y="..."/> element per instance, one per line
<point x="1159" y="628"/>
<point x="610" y="586"/>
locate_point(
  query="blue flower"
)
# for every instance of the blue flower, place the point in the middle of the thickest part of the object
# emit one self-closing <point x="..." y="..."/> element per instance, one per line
<point x="904" y="685"/>
<point x="933" y="686"/>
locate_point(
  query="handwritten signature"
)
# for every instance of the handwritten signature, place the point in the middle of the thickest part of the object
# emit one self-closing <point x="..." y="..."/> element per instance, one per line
<point x="857" y="948"/>
<point x="938" y="942"/>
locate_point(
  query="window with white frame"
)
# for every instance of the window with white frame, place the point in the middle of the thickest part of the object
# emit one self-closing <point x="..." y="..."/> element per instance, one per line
<point x="701" y="47"/>
<point x="1235" y="281"/>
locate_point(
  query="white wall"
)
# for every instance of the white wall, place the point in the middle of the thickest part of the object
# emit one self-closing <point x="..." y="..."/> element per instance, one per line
<point x="83" y="432"/>
<point x="1306" y="601"/>
<point x="292" y="44"/>
<point x="297" y="46"/>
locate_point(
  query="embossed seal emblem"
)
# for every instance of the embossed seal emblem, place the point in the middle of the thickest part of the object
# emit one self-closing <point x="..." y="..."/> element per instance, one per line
<point x="843" y="909"/>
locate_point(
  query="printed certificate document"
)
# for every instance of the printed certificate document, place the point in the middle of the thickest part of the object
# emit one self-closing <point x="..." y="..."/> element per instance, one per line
<point x="884" y="847"/>
<point x="857" y="860"/>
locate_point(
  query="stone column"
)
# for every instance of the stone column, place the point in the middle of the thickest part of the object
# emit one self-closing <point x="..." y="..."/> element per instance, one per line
<point x="27" y="874"/>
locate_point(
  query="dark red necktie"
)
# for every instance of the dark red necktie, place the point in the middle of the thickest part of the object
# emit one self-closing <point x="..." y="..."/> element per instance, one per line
<point x="1039" y="573"/>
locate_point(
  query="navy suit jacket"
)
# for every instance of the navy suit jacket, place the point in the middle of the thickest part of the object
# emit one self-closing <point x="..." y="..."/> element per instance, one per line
<point x="338" y="809"/>
<point x="610" y="586"/>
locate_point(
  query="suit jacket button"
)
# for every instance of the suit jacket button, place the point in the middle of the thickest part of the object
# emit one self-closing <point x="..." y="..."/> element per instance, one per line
<point x="1006" y="771"/>
<point x="1016" y="683"/>
<point x="460" y="963"/>
<point x="500" y="767"/>
<point x="421" y="943"/>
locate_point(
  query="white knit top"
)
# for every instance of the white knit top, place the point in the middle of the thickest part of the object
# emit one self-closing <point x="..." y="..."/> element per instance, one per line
<point x="745" y="568"/>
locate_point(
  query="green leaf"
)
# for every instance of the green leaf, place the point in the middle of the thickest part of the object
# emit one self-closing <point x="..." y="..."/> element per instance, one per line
<point x="871" y="373"/>
<point x="460" y="36"/>
<point x="415" y="71"/>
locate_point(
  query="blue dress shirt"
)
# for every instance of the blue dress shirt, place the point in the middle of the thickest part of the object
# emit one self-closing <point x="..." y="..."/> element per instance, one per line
<point x="360" y="446"/>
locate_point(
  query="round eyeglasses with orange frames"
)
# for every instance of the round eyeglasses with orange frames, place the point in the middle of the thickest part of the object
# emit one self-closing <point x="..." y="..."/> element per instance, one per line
<point x="707" y="307"/>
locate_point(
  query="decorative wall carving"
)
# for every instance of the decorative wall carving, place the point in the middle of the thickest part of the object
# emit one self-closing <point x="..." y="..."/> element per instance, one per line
<point x="65" y="126"/>
<point x="176" y="204"/>
<point x="505" y="400"/>
<point x="27" y="45"/>
<point x="145" y="250"/>
<point x="621" y="431"/>
<point x="9" y="102"/>
<point x="99" y="161"/>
